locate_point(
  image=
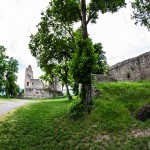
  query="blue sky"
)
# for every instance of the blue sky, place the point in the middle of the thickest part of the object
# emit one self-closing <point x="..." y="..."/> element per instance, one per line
<point x="121" y="39"/>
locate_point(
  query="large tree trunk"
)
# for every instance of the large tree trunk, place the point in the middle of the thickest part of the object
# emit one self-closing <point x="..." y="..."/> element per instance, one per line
<point x="86" y="90"/>
<point x="86" y="95"/>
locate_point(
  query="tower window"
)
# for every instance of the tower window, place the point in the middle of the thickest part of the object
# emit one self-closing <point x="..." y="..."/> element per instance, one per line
<point x="27" y="83"/>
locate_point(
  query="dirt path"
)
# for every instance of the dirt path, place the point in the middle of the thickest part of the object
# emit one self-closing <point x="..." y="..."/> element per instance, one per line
<point x="7" y="106"/>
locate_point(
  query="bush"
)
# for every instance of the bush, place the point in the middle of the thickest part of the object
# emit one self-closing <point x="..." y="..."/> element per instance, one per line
<point x="78" y="110"/>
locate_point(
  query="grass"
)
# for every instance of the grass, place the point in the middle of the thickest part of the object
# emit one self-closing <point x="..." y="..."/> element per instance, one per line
<point x="4" y="98"/>
<point x="46" y="126"/>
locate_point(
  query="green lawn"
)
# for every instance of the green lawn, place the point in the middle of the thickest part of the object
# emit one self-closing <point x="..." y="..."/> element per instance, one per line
<point x="111" y="124"/>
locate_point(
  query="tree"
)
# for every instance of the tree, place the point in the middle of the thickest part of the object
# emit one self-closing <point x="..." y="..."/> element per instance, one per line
<point x="49" y="76"/>
<point x="62" y="71"/>
<point x="52" y="44"/>
<point x="102" y="66"/>
<point x="141" y="12"/>
<point x="3" y="65"/>
<point x="72" y="11"/>
<point x="11" y="88"/>
<point x="8" y="70"/>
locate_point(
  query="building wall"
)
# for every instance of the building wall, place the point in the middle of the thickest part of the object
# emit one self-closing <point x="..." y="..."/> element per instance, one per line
<point x="34" y="83"/>
<point x="34" y="88"/>
<point x="133" y="69"/>
<point x="58" y="86"/>
<point x="38" y="93"/>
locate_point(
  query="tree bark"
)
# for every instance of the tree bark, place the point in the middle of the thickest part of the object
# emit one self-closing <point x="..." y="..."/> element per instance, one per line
<point x="83" y="22"/>
<point x="53" y="83"/>
<point x="68" y="93"/>
<point x="86" y="90"/>
<point x="66" y="81"/>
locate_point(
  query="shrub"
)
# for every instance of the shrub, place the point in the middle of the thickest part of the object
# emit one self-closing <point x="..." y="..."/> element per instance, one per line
<point x="78" y="110"/>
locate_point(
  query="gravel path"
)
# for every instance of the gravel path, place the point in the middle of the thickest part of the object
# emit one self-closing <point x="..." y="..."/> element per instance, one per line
<point x="7" y="106"/>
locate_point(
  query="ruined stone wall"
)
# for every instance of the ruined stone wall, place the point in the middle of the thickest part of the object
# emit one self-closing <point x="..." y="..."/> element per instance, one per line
<point x="37" y="93"/>
<point x="34" y="88"/>
<point x="133" y="69"/>
<point x="103" y="78"/>
<point x="34" y="83"/>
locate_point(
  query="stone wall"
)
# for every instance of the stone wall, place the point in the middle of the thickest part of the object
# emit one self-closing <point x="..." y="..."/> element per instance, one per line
<point x="103" y="78"/>
<point x="38" y="93"/>
<point x="133" y="69"/>
<point x="34" y="88"/>
<point x="100" y="78"/>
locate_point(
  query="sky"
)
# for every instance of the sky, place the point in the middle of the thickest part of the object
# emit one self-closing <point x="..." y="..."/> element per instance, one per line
<point x="120" y="37"/>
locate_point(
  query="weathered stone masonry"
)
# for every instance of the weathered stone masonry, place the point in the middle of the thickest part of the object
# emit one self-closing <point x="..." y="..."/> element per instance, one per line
<point x="34" y="88"/>
<point x="133" y="69"/>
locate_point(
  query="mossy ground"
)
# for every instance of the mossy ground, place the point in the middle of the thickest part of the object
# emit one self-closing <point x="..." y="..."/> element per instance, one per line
<point x="110" y="125"/>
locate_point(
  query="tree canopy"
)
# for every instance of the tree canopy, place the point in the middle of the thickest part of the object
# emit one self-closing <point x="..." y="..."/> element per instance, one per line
<point x="8" y="70"/>
<point x="3" y="65"/>
<point x="52" y="45"/>
<point x="56" y="41"/>
<point x="141" y="12"/>
<point x="101" y="65"/>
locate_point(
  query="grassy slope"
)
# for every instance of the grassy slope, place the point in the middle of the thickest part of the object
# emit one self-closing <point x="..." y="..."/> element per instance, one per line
<point x="45" y="125"/>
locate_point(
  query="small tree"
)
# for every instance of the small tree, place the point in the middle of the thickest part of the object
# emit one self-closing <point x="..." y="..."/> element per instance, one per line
<point x="3" y="65"/>
<point x="52" y="44"/>
<point x="8" y="70"/>
<point x="11" y="88"/>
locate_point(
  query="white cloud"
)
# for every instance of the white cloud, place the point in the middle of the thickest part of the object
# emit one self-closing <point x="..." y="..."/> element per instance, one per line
<point x="18" y="20"/>
<point x="119" y="36"/>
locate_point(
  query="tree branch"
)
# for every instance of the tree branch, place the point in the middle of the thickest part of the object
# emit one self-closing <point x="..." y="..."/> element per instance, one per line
<point x="90" y="17"/>
<point x="79" y="13"/>
<point x="70" y="33"/>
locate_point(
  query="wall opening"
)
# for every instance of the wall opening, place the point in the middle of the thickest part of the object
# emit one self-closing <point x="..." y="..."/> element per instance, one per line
<point x="128" y="75"/>
<point x="27" y="83"/>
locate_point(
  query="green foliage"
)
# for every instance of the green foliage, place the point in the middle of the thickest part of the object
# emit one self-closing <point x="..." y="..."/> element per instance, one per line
<point x="102" y="66"/>
<point x="141" y="12"/>
<point x="83" y="61"/>
<point x="67" y="11"/>
<point x="65" y="8"/>
<point x="52" y="46"/>
<point x="8" y="70"/>
<point x="78" y="110"/>
<point x="55" y="42"/>
<point x="11" y="88"/>
<point x="75" y="88"/>
<point x="3" y="65"/>
<point x="48" y="76"/>
<point x="103" y="6"/>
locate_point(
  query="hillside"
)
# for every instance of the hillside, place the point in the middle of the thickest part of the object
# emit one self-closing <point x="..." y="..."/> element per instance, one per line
<point x="112" y="124"/>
